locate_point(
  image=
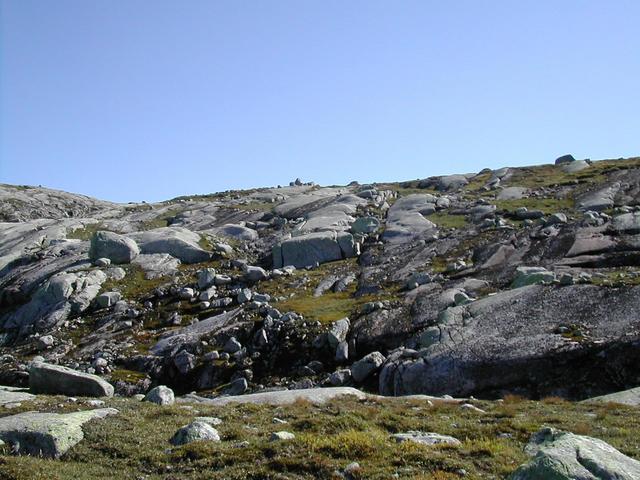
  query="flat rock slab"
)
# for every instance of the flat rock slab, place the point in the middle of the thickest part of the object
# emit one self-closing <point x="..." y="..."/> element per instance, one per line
<point x="626" y="397"/>
<point x="47" y="434"/>
<point x="316" y="396"/>
<point x="561" y="455"/>
<point x="7" y="396"/>
<point x="55" y="379"/>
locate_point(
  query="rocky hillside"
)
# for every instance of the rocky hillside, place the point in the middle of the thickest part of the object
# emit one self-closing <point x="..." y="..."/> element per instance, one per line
<point x="513" y="281"/>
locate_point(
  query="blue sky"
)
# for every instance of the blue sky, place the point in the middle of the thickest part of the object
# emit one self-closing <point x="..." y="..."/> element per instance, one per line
<point x="132" y="100"/>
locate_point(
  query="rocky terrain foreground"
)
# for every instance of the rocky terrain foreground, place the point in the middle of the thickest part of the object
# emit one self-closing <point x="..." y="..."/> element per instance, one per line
<point x="289" y="332"/>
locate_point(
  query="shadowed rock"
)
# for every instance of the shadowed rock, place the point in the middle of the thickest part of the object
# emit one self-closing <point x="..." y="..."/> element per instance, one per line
<point x="55" y="379"/>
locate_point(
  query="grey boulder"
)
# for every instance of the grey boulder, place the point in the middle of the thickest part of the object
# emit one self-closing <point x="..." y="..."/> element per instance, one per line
<point x="531" y="276"/>
<point x="314" y="248"/>
<point x="115" y="247"/>
<point x="366" y="366"/>
<point x="195" y="431"/>
<point x="160" y="395"/>
<point x="55" y="379"/>
<point x="175" y="241"/>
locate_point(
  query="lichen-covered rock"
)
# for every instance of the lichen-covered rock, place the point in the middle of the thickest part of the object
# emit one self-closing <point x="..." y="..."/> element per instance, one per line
<point x="47" y="435"/>
<point x="562" y="455"/>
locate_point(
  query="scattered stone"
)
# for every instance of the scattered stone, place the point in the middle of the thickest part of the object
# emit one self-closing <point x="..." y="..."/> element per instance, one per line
<point x="45" y="341"/>
<point x="206" y="278"/>
<point x="232" y="345"/>
<point x="213" y="421"/>
<point x="531" y="276"/>
<point x="237" y="387"/>
<point x="160" y="395"/>
<point x="195" y="431"/>
<point x="102" y="262"/>
<point x="366" y="366"/>
<point x="338" y="332"/>
<point x="426" y="438"/>
<point x="184" y="362"/>
<point x="256" y="274"/>
<point x="108" y="299"/>
<point x="280" y="436"/>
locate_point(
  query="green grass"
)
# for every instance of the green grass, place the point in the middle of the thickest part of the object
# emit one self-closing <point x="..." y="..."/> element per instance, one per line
<point x="135" y="443"/>
<point x="86" y="232"/>
<point x="446" y="220"/>
<point x="298" y="289"/>
<point x="546" y="205"/>
<point x="618" y="277"/>
<point x="160" y="221"/>
<point x="134" y="285"/>
<point x="254" y="206"/>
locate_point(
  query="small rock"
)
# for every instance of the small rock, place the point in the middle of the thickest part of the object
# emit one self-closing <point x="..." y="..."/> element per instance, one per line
<point x="160" y="395"/>
<point x="232" y="345"/>
<point x="195" y="431"/>
<point x="280" y="436"/>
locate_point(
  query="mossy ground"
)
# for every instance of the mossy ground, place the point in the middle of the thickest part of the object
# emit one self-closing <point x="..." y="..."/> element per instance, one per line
<point x="297" y="291"/>
<point x="135" y="444"/>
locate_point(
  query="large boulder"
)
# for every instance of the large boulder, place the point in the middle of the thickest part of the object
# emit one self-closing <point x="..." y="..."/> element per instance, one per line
<point x="115" y="247"/>
<point x="314" y="248"/>
<point x="628" y="223"/>
<point x="48" y="435"/>
<point x="559" y="455"/>
<point x="565" y="159"/>
<point x="175" y="241"/>
<point x="55" y="379"/>
<point x="366" y="366"/>
<point x="239" y="232"/>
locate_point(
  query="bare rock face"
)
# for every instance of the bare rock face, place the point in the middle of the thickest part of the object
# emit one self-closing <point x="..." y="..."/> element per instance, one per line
<point x="425" y="270"/>
<point x="489" y="345"/>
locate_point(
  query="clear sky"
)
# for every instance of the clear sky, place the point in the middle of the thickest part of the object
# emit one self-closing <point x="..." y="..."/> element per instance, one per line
<point x="132" y="100"/>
